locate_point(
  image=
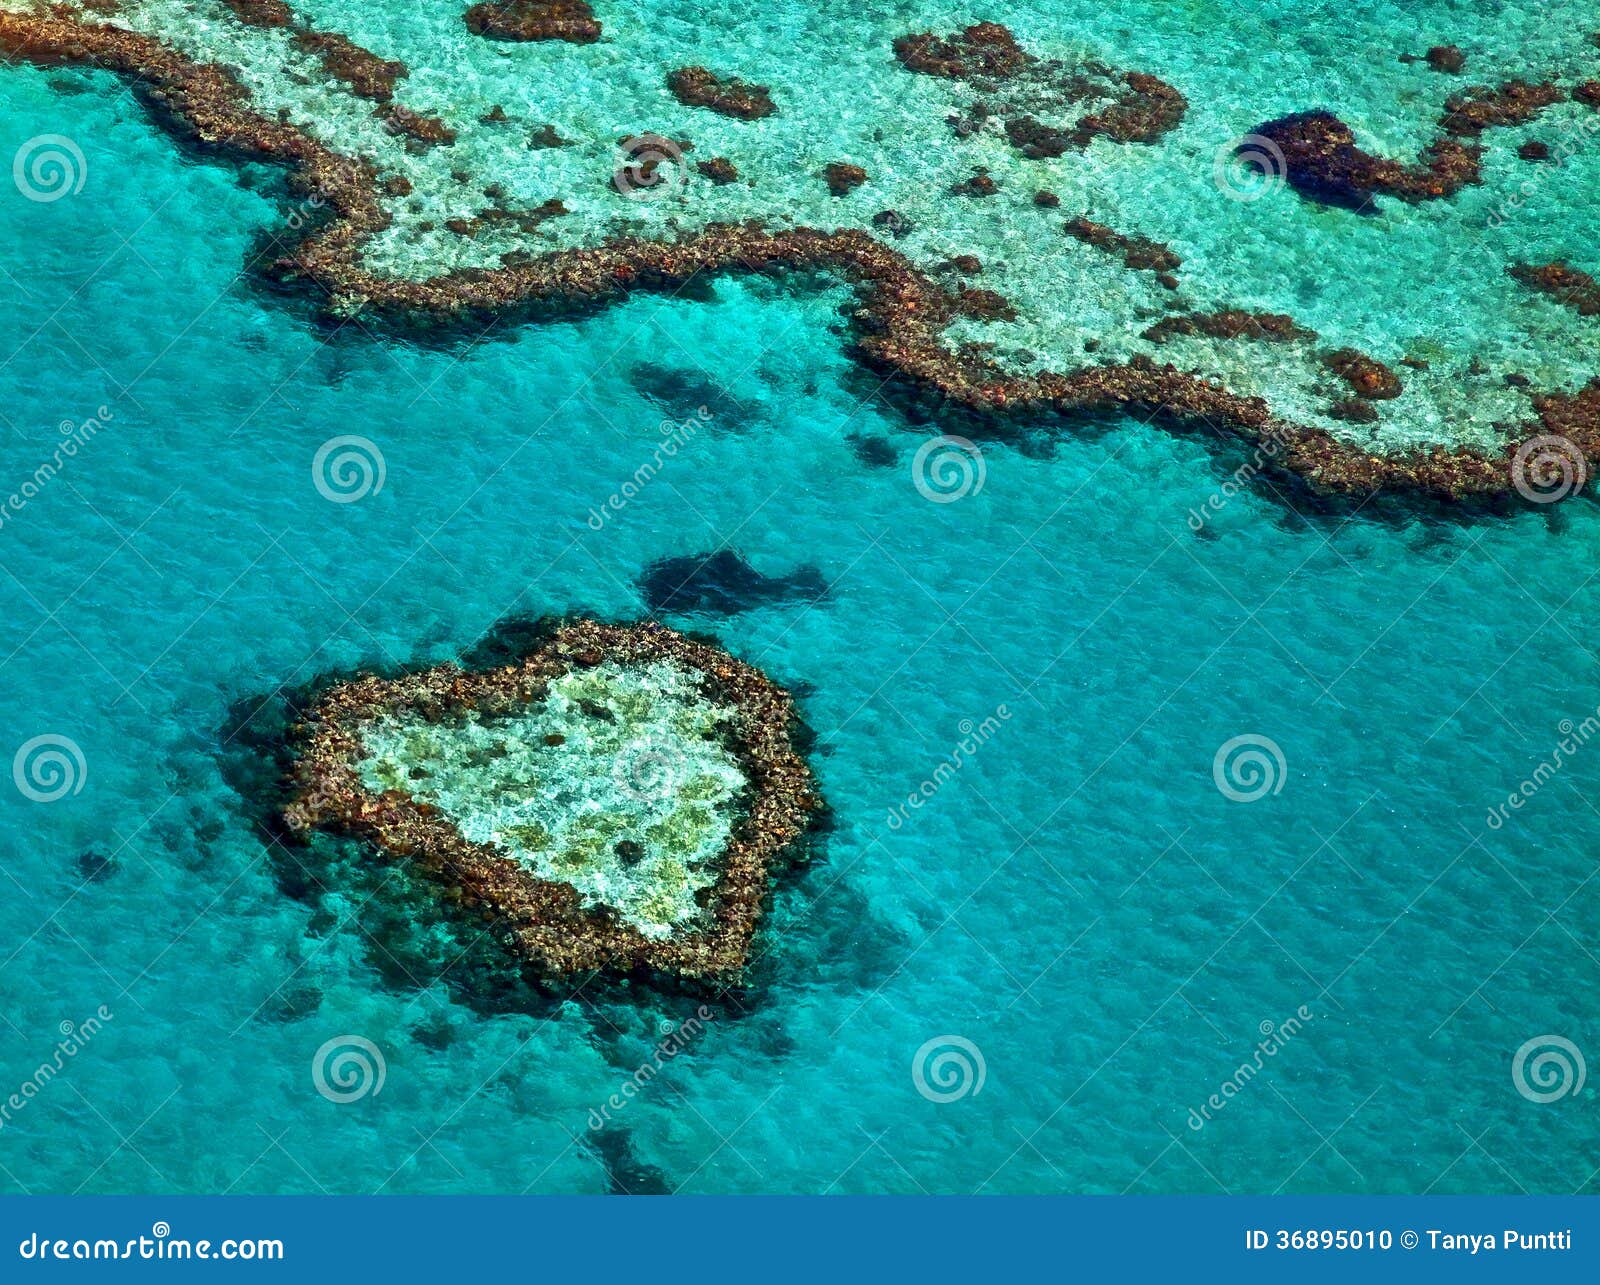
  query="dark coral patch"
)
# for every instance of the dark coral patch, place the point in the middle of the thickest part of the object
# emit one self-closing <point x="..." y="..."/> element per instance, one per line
<point x="1230" y="323"/>
<point x="261" y="13"/>
<point x="985" y="305"/>
<point x="1367" y="376"/>
<point x="985" y="49"/>
<point x="425" y="130"/>
<point x="724" y="584"/>
<point x="569" y="20"/>
<point x="1482" y="107"/>
<point x="1046" y="107"/>
<point x="719" y="169"/>
<point x="843" y="178"/>
<point x="1139" y="254"/>
<point x="685" y="393"/>
<point x="1561" y="281"/>
<point x="1319" y="158"/>
<point x="368" y="75"/>
<point x="701" y="87"/>
<point x="898" y="323"/>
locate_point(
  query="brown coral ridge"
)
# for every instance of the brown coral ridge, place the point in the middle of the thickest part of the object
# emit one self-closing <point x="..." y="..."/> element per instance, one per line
<point x="1320" y="159"/>
<point x="569" y="20"/>
<point x="542" y="922"/>
<point x="424" y="130"/>
<point x="1568" y="285"/>
<point x="261" y="13"/>
<point x="367" y="75"/>
<point x="985" y="50"/>
<point x="524" y="221"/>
<point x="1516" y="102"/>
<point x="1231" y="323"/>
<point x="900" y="314"/>
<point x="1139" y="254"/>
<point x="701" y="87"/>
<point x="719" y="169"/>
<point x="1368" y="377"/>
<point x="843" y="178"/>
<point x="1125" y="107"/>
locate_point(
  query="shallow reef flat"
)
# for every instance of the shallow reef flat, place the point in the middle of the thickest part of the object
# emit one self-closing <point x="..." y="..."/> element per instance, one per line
<point x="1034" y="216"/>
<point x="617" y="799"/>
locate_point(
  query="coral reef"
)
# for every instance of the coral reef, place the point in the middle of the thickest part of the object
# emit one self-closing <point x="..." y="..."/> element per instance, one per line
<point x="719" y="169"/>
<point x="1568" y="285"/>
<point x="261" y="13"/>
<point x="843" y="178"/>
<point x="901" y="313"/>
<point x="1321" y="161"/>
<point x="723" y="583"/>
<point x="367" y="74"/>
<point x="1137" y="253"/>
<point x="1045" y="107"/>
<point x="1516" y="102"/>
<point x="617" y="798"/>
<point x="1368" y="377"/>
<point x="1447" y="58"/>
<point x="1230" y="323"/>
<point x="699" y="87"/>
<point x="569" y="20"/>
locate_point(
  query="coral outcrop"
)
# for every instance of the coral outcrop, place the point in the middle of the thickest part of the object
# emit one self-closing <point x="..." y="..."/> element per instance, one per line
<point x="619" y="798"/>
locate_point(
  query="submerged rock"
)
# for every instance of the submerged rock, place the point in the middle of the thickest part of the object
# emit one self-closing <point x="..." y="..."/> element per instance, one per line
<point x="363" y="71"/>
<point x="1230" y="323"/>
<point x="719" y="169"/>
<point x="1138" y="253"/>
<point x="1562" y="282"/>
<point x="261" y="13"/>
<point x="569" y="20"/>
<point x="1367" y="376"/>
<point x="1318" y="156"/>
<point x="843" y="178"/>
<point x="723" y="583"/>
<point x="701" y="87"/>
<point x="1046" y="107"/>
<point x="641" y="836"/>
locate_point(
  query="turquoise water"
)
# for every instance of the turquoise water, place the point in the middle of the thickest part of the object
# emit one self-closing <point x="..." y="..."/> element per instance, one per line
<point x="1079" y="900"/>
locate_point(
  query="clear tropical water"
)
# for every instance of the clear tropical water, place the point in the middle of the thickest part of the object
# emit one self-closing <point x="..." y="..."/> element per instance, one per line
<point x="1079" y="900"/>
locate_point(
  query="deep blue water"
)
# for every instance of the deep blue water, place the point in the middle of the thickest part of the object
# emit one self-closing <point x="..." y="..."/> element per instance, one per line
<point x="1079" y="901"/>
